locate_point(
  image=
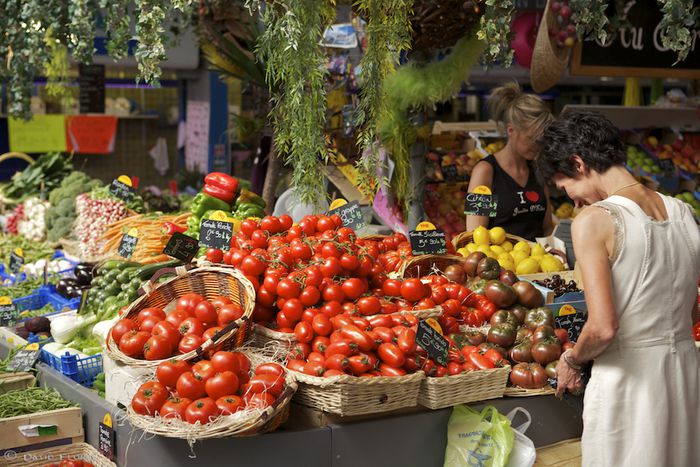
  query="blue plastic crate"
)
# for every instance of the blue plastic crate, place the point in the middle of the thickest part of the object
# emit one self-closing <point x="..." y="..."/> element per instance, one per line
<point x="46" y="295"/>
<point x="81" y="370"/>
<point x="5" y="275"/>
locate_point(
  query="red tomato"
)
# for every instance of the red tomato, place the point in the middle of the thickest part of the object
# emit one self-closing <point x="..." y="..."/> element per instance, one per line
<point x="150" y="312"/>
<point x="296" y="365"/>
<point x="563" y="336"/>
<point x="259" y="238"/>
<point x="258" y="400"/>
<point x="321" y="325"/>
<point x="337" y="362"/>
<point x="272" y="384"/>
<point x="188" y="302"/>
<point x="214" y="255"/>
<point x="334" y="292"/>
<point x="210" y="332"/>
<point x="252" y="266"/>
<point x="359" y="337"/>
<point x="304" y="332"/>
<point x="480" y="361"/>
<point x="149" y="398"/>
<point x="349" y="262"/>
<point x="243" y="363"/>
<point x="287" y="288"/>
<point x="310" y="296"/>
<point x="167" y="330"/>
<point x="407" y="341"/>
<point x="131" y="343"/>
<point x="157" y="348"/>
<point x="274" y="369"/>
<point x="369" y="306"/>
<point x="202" y="410"/>
<point x="229" y="313"/>
<point x="412" y="290"/>
<point x="203" y="369"/>
<point x="169" y="371"/>
<point x="286" y="222"/>
<point x="121" y="327"/>
<point x="174" y="408"/>
<point x="314" y="368"/>
<point x="332" y="309"/>
<point x="228" y="405"/>
<point x="221" y="384"/>
<point x="176" y="317"/>
<point x="205" y="312"/>
<point x="320" y="344"/>
<point x="293" y="309"/>
<point x="225" y="361"/>
<point x="189" y="343"/>
<point x="271" y="224"/>
<point x="384" y="334"/>
<point x="388" y="370"/>
<point x="359" y="364"/>
<point x="191" y="326"/>
<point x="316" y="357"/>
<point x="309" y="314"/>
<point x="148" y="323"/>
<point x="248" y="226"/>
<point x="353" y="288"/>
<point x="300" y="351"/>
<point x="391" y="355"/>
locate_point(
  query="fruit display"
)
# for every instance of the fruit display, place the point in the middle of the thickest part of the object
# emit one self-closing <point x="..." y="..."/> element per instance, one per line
<point x="520" y="257"/>
<point x="463" y="163"/>
<point x="565" y="31"/>
<point x="443" y="205"/>
<point x="156" y="335"/>
<point x="684" y="151"/>
<point x="565" y="210"/>
<point x="639" y="159"/>
<point x="692" y="199"/>
<point x="558" y="285"/>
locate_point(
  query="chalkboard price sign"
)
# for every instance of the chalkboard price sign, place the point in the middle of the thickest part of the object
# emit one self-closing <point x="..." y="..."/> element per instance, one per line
<point x="127" y="246"/>
<point x="121" y="190"/>
<point x="24" y="360"/>
<point x="8" y="312"/>
<point x="573" y="324"/>
<point x="91" y="81"/>
<point x="477" y="204"/>
<point x="432" y="342"/>
<point x="182" y="247"/>
<point x="428" y="242"/>
<point x="106" y="440"/>
<point x="215" y="234"/>
<point x="351" y="215"/>
<point x="16" y="262"/>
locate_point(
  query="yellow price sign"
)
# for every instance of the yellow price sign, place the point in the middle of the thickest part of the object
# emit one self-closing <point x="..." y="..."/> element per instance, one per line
<point x="107" y="420"/>
<point x="219" y="216"/>
<point x="425" y="225"/>
<point x="482" y="190"/>
<point x="567" y="310"/>
<point x="34" y="346"/>
<point x="337" y="203"/>
<point x="19" y="252"/>
<point x="5" y="300"/>
<point x="126" y="180"/>
<point x="133" y="232"/>
<point x="432" y="322"/>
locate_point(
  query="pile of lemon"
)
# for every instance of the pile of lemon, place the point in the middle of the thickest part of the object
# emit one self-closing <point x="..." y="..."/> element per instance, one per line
<point x="520" y="257"/>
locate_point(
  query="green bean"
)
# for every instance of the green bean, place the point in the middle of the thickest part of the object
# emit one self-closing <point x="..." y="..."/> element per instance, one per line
<point x="31" y="400"/>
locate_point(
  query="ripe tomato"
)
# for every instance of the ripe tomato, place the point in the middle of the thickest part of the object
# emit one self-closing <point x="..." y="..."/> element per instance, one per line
<point x="205" y="312"/>
<point x="295" y="364"/>
<point x="188" y="302"/>
<point x="191" y="326"/>
<point x="384" y="334"/>
<point x="480" y="361"/>
<point x="202" y="410"/>
<point x="274" y="369"/>
<point x="225" y="361"/>
<point x="331" y="267"/>
<point x="314" y="368"/>
<point x="407" y="341"/>
<point x="221" y="384"/>
<point x="258" y="400"/>
<point x="380" y="321"/>
<point x="369" y="306"/>
<point x="337" y="362"/>
<point x="271" y="224"/>
<point x="353" y="288"/>
<point x="412" y="290"/>
<point x="259" y="238"/>
<point x="203" y="369"/>
<point x="321" y="325"/>
<point x="243" y="363"/>
<point x="320" y="344"/>
<point x="359" y="364"/>
<point x="174" y="408"/>
<point x="473" y="317"/>
<point x="349" y="262"/>
<point x="333" y="292"/>
<point x="304" y="332"/>
<point x="121" y="327"/>
<point x="169" y="371"/>
<point x="359" y="337"/>
<point x="265" y="298"/>
<point x="391" y="354"/>
<point x="210" y="332"/>
<point x="149" y="398"/>
<point x="189" y="342"/>
<point x="131" y="343"/>
<point x="229" y="313"/>
<point x="157" y="348"/>
<point x="563" y="336"/>
<point x="214" y="255"/>
<point x="332" y="309"/>
<point x="388" y="370"/>
<point x="150" y="312"/>
<point x="300" y="351"/>
<point x="167" y="330"/>
<point x="272" y="384"/>
<point x="528" y="375"/>
<point x="287" y="288"/>
<point x="309" y="314"/>
<point x="252" y="266"/>
<point x="286" y="222"/>
<point x="283" y="322"/>
<point x="228" y="405"/>
<point x="293" y="309"/>
<point x="176" y="317"/>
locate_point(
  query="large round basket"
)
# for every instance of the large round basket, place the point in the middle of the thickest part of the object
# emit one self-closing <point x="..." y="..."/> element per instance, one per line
<point x="352" y="395"/>
<point x="77" y="451"/>
<point x="464" y="238"/>
<point x="473" y="386"/>
<point x="423" y="265"/>
<point x="210" y="281"/>
<point x="243" y="423"/>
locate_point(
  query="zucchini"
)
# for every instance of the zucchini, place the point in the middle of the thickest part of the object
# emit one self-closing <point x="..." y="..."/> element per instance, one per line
<point x="147" y="271"/>
<point x="117" y="264"/>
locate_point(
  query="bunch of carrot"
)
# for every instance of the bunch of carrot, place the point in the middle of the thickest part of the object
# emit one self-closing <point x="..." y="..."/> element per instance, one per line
<point x="151" y="235"/>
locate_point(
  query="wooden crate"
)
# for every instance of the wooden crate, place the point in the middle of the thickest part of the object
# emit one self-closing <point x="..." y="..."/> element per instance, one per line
<point x="562" y="454"/>
<point x="12" y="381"/>
<point x="69" y="423"/>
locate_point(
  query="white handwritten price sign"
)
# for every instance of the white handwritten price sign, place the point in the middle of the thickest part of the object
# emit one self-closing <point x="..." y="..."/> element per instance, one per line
<point x="427" y="240"/>
<point x="122" y="188"/>
<point x="432" y="341"/>
<point x="481" y="202"/>
<point x="128" y="243"/>
<point x="349" y="213"/>
<point x="215" y="234"/>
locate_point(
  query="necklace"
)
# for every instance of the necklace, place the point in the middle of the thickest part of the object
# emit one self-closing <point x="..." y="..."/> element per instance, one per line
<point x="626" y="186"/>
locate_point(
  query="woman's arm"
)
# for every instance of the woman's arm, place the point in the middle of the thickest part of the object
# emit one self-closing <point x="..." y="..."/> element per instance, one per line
<point x="548" y="223"/>
<point x="482" y="174"/>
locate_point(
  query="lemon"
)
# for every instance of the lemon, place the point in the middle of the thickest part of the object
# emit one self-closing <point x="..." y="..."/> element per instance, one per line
<point x="551" y="263"/>
<point x="518" y="256"/>
<point x="464" y="251"/>
<point x="481" y="235"/>
<point x="527" y="266"/>
<point x="497" y="235"/>
<point x="506" y="263"/>
<point x="491" y="254"/>
<point x="497" y="249"/>
<point x="485" y="249"/>
<point x="537" y="250"/>
<point x="522" y="246"/>
<point x="471" y="247"/>
<point x="507" y="245"/>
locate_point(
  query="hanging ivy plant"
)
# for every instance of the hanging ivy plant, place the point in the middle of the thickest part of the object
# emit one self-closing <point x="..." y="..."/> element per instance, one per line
<point x="680" y="17"/>
<point x="495" y="31"/>
<point x="589" y="16"/>
<point x="118" y="24"/>
<point x="290" y="48"/>
<point x="388" y="34"/>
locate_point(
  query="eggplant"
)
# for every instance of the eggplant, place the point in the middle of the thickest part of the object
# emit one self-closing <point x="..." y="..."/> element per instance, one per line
<point x="38" y="324"/>
<point x="72" y="291"/>
<point x="63" y="285"/>
<point x="22" y="332"/>
<point x="83" y="277"/>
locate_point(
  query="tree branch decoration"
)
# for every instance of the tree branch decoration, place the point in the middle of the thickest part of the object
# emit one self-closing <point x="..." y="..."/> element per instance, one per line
<point x="388" y="34"/>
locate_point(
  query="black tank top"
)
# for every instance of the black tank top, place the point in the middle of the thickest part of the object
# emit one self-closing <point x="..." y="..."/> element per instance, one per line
<point x="521" y="210"/>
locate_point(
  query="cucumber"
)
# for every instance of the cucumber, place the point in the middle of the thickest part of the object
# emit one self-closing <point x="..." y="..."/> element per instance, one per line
<point x="147" y="271"/>
<point x="115" y="264"/>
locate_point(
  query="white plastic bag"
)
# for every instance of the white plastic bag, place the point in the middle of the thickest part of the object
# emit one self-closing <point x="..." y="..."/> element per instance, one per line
<point x="523" y="453"/>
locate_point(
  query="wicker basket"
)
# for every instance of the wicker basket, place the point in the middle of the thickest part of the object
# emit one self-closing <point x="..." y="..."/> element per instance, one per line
<point x="423" y="265"/>
<point x="513" y="391"/>
<point x="548" y="59"/>
<point x="462" y="239"/>
<point x="207" y="281"/>
<point x="352" y="395"/>
<point x="473" y="386"/>
<point x="42" y="457"/>
<point x="261" y="336"/>
<point x="243" y="423"/>
<point x="375" y="238"/>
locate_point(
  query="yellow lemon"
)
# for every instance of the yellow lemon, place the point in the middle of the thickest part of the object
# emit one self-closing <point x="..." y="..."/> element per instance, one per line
<point x="497" y="249"/>
<point x="522" y="246"/>
<point x="518" y="256"/>
<point x="485" y="249"/>
<point x="537" y="250"/>
<point x="481" y="235"/>
<point x="527" y="266"/>
<point x="507" y="264"/>
<point x="507" y="245"/>
<point x="464" y="251"/>
<point x="471" y="247"/>
<point x="551" y="263"/>
<point x="497" y="235"/>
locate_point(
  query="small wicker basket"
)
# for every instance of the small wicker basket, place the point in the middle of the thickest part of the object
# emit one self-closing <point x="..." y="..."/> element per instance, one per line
<point x="209" y="281"/>
<point x="473" y="386"/>
<point x="352" y="395"/>
<point x="514" y="391"/>
<point x="41" y="457"/>
<point x="423" y="265"/>
<point x="462" y="239"/>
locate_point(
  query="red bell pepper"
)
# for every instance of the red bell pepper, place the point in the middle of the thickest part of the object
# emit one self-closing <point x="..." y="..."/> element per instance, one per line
<point x="220" y="193"/>
<point x="170" y="228"/>
<point x="223" y="181"/>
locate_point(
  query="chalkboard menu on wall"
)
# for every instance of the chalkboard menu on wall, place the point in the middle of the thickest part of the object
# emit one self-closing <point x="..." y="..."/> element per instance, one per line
<point x="636" y="50"/>
<point x="92" y="88"/>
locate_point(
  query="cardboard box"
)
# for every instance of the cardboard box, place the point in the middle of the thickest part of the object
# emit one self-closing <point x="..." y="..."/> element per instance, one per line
<point x="563" y="454"/>
<point x="68" y="425"/>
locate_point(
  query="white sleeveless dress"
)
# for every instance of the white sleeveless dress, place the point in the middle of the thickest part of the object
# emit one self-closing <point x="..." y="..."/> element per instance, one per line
<point x="642" y="404"/>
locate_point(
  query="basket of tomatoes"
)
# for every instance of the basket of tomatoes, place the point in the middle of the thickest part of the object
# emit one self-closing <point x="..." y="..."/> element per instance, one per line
<point x="67" y="455"/>
<point x="239" y="393"/>
<point x="197" y="310"/>
<point x="423" y="265"/>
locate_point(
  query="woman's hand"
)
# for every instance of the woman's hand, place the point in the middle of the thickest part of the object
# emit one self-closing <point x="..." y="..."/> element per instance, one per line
<point x="568" y="379"/>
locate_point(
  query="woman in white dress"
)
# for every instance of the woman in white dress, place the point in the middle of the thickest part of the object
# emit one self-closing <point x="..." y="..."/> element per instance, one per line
<point x="639" y="255"/>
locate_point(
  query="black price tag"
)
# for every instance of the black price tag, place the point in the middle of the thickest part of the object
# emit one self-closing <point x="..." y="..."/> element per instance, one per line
<point x="573" y="323"/>
<point x="121" y="190"/>
<point x="16" y="262"/>
<point x="449" y="172"/>
<point x="91" y="81"/>
<point x="215" y="234"/>
<point x="477" y="204"/>
<point x="127" y="246"/>
<point x="106" y="439"/>
<point x="428" y="242"/>
<point x="8" y="312"/>
<point x="351" y="215"/>
<point x="667" y="166"/>
<point x="24" y="360"/>
<point x="432" y="342"/>
<point x="182" y="247"/>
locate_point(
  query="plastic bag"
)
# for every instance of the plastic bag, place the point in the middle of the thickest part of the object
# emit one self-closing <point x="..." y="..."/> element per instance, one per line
<point x="478" y="439"/>
<point x="523" y="453"/>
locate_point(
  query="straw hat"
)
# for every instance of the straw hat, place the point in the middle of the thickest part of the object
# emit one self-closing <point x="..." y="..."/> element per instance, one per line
<point x="548" y="59"/>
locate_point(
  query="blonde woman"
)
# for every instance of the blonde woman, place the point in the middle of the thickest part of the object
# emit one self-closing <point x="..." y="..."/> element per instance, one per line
<point x="523" y="203"/>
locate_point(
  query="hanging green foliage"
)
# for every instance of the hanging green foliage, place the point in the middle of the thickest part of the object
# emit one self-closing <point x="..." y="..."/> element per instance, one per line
<point x="388" y="34"/>
<point x="118" y="23"/>
<point x="56" y="70"/>
<point x="495" y="31"/>
<point x="290" y="48"/>
<point x="677" y="25"/>
<point x="589" y="16"/>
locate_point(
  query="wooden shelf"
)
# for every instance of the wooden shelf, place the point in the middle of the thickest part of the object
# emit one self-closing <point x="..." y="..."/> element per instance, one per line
<point x="629" y="118"/>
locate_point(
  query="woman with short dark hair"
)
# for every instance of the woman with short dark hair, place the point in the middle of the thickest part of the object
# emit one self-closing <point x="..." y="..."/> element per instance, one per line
<point x="639" y="255"/>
